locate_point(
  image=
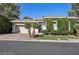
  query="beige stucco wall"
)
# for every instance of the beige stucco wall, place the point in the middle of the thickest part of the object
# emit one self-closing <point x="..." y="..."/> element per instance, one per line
<point x="36" y="30"/>
<point x="31" y="30"/>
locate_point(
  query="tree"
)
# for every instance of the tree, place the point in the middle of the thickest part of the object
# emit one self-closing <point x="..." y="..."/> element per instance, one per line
<point x="26" y="17"/>
<point x="77" y="12"/>
<point x="5" y="25"/>
<point x="28" y="25"/>
<point x="8" y="12"/>
<point x="71" y="12"/>
<point x="75" y="6"/>
<point x="35" y="26"/>
<point x="75" y="9"/>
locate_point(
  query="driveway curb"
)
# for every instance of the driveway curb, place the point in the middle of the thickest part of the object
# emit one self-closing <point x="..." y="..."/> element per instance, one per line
<point x="35" y="40"/>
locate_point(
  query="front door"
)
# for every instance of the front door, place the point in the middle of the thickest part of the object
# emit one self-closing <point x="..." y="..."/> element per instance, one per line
<point x="55" y="26"/>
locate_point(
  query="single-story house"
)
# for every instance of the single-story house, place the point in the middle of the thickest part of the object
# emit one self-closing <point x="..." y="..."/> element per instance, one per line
<point x="18" y="26"/>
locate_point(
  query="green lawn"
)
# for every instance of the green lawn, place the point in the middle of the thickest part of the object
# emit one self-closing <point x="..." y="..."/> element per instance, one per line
<point x="58" y="37"/>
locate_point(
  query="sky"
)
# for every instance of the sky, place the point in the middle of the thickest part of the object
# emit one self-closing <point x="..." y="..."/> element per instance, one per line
<point x="37" y="10"/>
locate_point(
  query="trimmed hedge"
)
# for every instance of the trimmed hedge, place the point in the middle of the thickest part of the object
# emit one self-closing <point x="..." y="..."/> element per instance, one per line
<point x="63" y="26"/>
<point x="55" y="32"/>
<point x="49" y="25"/>
<point x="72" y="26"/>
<point x="45" y="32"/>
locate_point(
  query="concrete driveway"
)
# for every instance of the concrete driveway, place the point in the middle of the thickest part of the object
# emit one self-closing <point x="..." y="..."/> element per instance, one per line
<point x="38" y="48"/>
<point x="14" y="36"/>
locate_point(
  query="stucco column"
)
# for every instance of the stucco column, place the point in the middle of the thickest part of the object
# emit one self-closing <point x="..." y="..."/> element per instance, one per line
<point x="13" y="28"/>
<point x="69" y="25"/>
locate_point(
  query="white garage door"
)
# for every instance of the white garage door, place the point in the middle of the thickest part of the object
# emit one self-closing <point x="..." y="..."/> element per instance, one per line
<point x="23" y="29"/>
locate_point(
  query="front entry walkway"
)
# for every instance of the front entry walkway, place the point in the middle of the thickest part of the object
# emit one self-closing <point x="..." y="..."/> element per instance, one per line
<point x="16" y="36"/>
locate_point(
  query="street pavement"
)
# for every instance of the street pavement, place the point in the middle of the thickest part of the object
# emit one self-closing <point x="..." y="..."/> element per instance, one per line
<point x="38" y="48"/>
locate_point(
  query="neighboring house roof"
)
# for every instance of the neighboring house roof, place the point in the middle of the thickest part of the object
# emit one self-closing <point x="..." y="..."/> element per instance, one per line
<point x="16" y="20"/>
<point x="25" y="21"/>
<point x="41" y="19"/>
<point x="69" y="17"/>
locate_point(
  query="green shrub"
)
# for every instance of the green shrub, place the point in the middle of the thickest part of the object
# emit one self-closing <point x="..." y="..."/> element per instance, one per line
<point x="71" y="32"/>
<point x="55" y="32"/>
<point x="45" y="32"/>
<point x="64" y="33"/>
<point x="72" y="26"/>
<point x="5" y="25"/>
<point x="49" y="25"/>
<point x="63" y="26"/>
<point x="76" y="26"/>
<point x="36" y="26"/>
<point x="27" y="25"/>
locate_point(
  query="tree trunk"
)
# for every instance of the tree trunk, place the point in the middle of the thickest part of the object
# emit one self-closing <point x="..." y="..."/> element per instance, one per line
<point x="33" y="31"/>
<point x="29" y="30"/>
<point x="49" y="34"/>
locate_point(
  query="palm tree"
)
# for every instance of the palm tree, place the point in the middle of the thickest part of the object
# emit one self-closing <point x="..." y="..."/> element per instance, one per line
<point x="33" y="25"/>
<point x="28" y="24"/>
